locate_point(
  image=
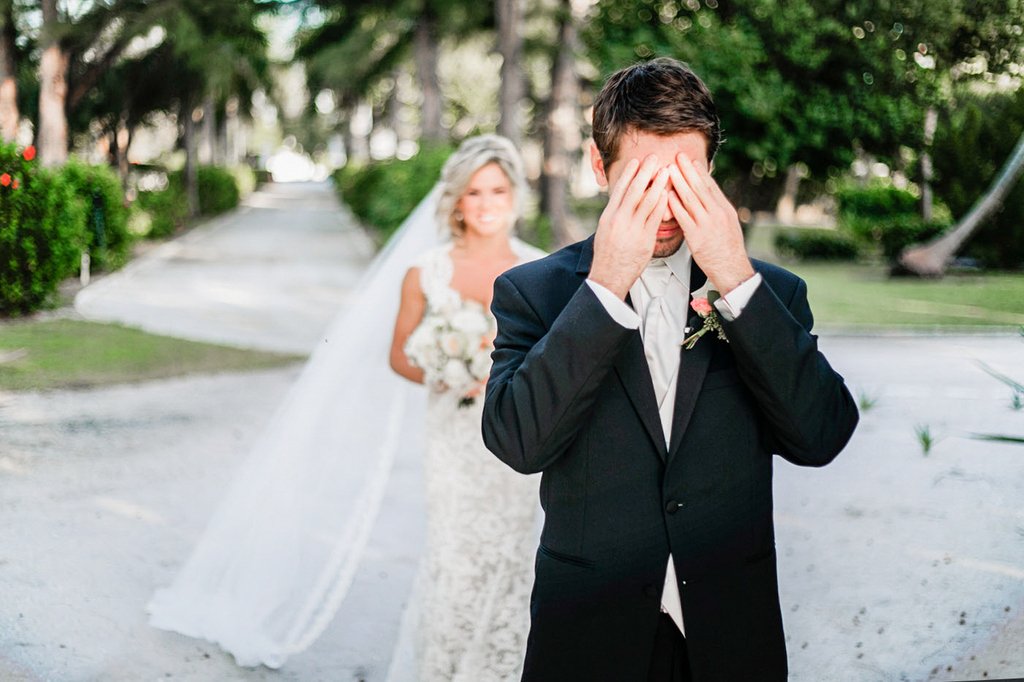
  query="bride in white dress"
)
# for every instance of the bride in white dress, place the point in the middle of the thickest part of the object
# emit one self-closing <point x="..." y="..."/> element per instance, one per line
<point x="476" y="574"/>
<point x="281" y="550"/>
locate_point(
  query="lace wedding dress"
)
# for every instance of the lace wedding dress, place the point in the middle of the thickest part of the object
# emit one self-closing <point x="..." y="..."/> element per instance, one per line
<point x="477" y="571"/>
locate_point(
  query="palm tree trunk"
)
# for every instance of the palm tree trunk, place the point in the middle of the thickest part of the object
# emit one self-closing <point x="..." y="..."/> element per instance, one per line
<point x="561" y="132"/>
<point x="512" y="85"/>
<point x="932" y="259"/>
<point x="425" y="46"/>
<point x="52" y="138"/>
<point x="8" y="74"/>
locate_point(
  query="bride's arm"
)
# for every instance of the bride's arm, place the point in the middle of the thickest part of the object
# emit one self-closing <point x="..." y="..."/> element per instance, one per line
<point x="410" y="312"/>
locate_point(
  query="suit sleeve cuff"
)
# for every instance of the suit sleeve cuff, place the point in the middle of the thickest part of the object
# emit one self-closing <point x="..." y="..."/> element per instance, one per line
<point x="615" y="306"/>
<point x="732" y="304"/>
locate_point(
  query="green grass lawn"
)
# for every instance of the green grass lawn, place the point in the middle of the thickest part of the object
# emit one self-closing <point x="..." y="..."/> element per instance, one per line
<point x="863" y="296"/>
<point x="51" y="354"/>
<point x="845" y="295"/>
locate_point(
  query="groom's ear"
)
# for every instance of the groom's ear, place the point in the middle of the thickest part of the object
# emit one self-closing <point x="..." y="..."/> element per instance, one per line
<point x="597" y="163"/>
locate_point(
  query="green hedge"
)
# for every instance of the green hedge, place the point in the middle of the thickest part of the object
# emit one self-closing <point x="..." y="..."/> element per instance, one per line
<point x="901" y="231"/>
<point x="218" y="191"/>
<point x="887" y="218"/>
<point x="383" y="193"/>
<point x="167" y="208"/>
<point x="41" y="231"/>
<point x="816" y="244"/>
<point x="105" y="228"/>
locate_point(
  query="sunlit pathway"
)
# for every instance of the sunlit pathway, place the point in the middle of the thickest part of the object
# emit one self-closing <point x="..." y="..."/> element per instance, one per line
<point x="269" y="275"/>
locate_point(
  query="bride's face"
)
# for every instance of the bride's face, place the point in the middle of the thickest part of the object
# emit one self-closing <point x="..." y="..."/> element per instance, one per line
<point x="487" y="205"/>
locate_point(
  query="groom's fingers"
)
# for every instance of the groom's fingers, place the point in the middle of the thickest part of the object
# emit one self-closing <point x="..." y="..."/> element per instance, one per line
<point x="638" y="186"/>
<point x="687" y="195"/>
<point x="679" y="212"/>
<point x="653" y="220"/>
<point x="619" y="190"/>
<point x="695" y="180"/>
<point x="652" y="198"/>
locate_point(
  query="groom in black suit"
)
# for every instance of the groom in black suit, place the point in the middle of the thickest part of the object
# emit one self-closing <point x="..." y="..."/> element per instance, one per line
<point x="653" y="409"/>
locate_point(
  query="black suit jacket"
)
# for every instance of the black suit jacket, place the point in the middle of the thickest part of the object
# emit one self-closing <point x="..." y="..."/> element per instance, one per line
<point x="570" y="395"/>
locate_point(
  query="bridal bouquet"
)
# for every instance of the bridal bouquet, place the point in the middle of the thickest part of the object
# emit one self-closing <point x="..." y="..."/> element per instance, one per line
<point x="453" y="347"/>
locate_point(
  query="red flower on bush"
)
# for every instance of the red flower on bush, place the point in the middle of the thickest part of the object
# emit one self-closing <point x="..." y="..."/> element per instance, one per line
<point x="5" y="179"/>
<point x="29" y="153"/>
<point x="14" y="185"/>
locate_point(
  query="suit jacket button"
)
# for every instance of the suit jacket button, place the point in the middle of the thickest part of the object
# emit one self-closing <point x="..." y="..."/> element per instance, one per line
<point x="672" y="507"/>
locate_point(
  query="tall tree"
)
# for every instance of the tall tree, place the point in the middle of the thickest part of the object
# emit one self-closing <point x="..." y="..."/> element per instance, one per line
<point x="8" y="73"/>
<point x="354" y="47"/>
<point x="52" y="138"/>
<point x="813" y="83"/>
<point x="512" y="85"/>
<point x="562" y="129"/>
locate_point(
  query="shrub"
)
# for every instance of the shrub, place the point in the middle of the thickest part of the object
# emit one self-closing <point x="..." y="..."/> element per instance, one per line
<point x="218" y="191"/>
<point x="887" y="218"/>
<point x="816" y="244"/>
<point x="383" y="193"/>
<point x="41" y="231"/>
<point x="167" y="208"/>
<point x="901" y="231"/>
<point x="105" y="228"/>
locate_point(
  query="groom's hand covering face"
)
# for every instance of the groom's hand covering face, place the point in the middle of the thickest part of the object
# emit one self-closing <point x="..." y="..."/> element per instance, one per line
<point x="629" y="224"/>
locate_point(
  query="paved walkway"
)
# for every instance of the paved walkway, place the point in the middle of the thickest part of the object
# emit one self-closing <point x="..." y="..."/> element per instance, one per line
<point x="894" y="564"/>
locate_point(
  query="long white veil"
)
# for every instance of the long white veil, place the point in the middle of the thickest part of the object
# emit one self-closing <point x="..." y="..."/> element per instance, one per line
<point x="281" y="550"/>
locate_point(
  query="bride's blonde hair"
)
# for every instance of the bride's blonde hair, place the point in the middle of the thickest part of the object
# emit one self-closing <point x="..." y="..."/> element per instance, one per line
<point x="473" y="154"/>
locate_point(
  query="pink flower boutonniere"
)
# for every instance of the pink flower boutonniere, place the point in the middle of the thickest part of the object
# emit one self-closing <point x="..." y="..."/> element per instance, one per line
<point x="712" y="323"/>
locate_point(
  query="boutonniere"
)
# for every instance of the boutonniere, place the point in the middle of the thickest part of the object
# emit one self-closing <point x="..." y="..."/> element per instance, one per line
<point x="712" y="323"/>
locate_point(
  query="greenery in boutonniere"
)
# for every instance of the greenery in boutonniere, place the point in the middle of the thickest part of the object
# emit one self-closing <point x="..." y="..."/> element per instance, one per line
<point x="712" y="322"/>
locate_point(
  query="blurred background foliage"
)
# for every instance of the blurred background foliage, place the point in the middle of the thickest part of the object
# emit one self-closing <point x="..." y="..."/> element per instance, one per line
<point x="854" y="129"/>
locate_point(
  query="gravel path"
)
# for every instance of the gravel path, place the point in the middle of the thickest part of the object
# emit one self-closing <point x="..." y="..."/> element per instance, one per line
<point x="894" y="565"/>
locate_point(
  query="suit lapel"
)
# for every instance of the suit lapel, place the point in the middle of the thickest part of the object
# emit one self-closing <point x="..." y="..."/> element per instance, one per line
<point x="635" y="376"/>
<point x="693" y="366"/>
<point x="631" y="368"/>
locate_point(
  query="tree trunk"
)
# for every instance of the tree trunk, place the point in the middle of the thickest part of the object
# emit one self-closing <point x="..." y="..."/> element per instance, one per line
<point x="932" y="259"/>
<point x="189" y="139"/>
<point x="785" y="209"/>
<point x="512" y="84"/>
<point x="52" y="137"/>
<point x="425" y="45"/>
<point x="208" y="132"/>
<point x="561" y="133"/>
<point x="8" y="74"/>
<point x="931" y="119"/>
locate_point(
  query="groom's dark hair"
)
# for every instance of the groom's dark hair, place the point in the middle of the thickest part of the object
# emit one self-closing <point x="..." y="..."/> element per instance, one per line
<point x="661" y="96"/>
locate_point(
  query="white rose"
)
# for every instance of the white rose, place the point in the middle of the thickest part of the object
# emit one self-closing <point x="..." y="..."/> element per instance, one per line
<point x="456" y="376"/>
<point x="454" y="344"/>
<point x="480" y="365"/>
<point x="471" y="322"/>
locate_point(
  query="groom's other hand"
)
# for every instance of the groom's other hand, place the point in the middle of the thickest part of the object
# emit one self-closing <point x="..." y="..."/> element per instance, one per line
<point x="710" y="224"/>
<point x="628" y="227"/>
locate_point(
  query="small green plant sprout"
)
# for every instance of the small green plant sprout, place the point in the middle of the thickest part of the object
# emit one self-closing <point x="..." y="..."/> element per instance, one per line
<point x="924" y="438"/>
<point x="865" y="400"/>
<point x="1017" y="399"/>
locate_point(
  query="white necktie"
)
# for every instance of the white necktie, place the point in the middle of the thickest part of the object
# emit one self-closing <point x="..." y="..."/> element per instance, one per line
<point x="660" y="343"/>
<point x="661" y="348"/>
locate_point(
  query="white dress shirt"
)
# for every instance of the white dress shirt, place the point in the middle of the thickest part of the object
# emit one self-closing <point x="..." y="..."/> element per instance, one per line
<point x="663" y="347"/>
